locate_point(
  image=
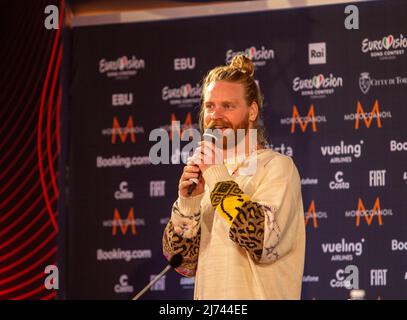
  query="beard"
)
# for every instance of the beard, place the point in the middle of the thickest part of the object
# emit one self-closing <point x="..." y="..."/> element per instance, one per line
<point x="230" y="137"/>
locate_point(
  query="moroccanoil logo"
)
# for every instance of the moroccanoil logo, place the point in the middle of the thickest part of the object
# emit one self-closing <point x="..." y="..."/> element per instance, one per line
<point x="303" y="121"/>
<point x="118" y="132"/>
<point x="368" y="215"/>
<point x="123" y="225"/>
<point x="314" y="215"/>
<point x="368" y="117"/>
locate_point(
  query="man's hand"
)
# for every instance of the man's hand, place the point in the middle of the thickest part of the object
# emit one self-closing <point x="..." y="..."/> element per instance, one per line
<point x="191" y="171"/>
<point x="207" y="155"/>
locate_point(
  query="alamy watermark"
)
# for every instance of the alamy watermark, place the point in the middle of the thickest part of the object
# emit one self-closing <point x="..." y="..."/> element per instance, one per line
<point x="52" y="19"/>
<point x="352" y="18"/>
<point x="230" y="146"/>
<point x="51" y="282"/>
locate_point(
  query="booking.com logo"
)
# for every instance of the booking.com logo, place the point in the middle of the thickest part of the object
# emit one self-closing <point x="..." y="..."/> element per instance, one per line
<point x="228" y="140"/>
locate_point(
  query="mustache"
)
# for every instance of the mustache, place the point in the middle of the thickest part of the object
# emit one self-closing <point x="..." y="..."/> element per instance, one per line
<point x="214" y="124"/>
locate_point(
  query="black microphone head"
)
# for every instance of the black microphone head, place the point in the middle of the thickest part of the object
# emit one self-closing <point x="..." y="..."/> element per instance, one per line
<point x="176" y="260"/>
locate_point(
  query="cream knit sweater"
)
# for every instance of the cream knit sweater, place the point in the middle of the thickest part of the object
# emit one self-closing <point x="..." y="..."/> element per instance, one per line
<point x="247" y="241"/>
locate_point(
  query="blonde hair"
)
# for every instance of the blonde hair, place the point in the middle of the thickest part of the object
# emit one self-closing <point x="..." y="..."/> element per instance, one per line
<point x="240" y="70"/>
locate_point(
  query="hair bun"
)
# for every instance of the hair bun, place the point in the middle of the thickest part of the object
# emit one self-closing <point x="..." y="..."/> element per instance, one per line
<point x="243" y="64"/>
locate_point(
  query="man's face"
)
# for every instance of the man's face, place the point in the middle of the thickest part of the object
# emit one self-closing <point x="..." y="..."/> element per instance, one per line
<point x="225" y="107"/>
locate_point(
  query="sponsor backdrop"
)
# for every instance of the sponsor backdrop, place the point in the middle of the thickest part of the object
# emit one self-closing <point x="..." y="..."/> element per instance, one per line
<point x="335" y="101"/>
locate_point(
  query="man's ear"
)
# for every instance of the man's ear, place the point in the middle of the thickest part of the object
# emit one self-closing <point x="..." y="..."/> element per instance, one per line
<point x="253" y="111"/>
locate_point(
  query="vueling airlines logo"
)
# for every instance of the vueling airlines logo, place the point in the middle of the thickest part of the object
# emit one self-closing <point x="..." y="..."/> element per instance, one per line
<point x="124" y="224"/>
<point x="314" y="215"/>
<point x="118" y="132"/>
<point x="302" y="121"/>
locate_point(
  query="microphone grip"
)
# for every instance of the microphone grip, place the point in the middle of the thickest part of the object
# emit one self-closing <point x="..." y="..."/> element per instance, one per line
<point x="192" y="187"/>
<point x="208" y="136"/>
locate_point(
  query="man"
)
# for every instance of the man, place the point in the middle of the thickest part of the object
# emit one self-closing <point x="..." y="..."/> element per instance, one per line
<point x="241" y="232"/>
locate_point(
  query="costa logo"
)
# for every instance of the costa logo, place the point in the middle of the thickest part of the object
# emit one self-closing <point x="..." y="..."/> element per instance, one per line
<point x="123" y="193"/>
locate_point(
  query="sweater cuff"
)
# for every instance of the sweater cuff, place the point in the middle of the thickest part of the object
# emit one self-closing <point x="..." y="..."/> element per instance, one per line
<point x="215" y="174"/>
<point x="189" y="206"/>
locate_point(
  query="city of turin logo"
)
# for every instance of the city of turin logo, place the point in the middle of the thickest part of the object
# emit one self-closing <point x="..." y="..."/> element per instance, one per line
<point x="364" y="82"/>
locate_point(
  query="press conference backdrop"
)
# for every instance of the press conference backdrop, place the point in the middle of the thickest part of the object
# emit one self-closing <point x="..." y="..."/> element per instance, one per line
<point x="335" y="101"/>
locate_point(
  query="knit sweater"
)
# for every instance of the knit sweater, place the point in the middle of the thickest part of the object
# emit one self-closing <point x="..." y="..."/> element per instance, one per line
<point x="244" y="237"/>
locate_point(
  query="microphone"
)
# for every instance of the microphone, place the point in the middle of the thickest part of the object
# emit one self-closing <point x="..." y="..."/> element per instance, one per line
<point x="207" y="136"/>
<point x="175" y="262"/>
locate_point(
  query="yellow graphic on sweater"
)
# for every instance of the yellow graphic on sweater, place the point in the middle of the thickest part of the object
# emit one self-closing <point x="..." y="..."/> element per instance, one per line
<point x="229" y="207"/>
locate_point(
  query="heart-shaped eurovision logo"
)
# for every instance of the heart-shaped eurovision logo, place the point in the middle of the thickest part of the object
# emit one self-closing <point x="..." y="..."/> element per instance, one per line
<point x="387" y="41"/>
<point x="318" y="80"/>
<point x="185" y="90"/>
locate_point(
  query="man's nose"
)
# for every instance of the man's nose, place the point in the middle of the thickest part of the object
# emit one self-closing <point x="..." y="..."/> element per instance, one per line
<point x="217" y="113"/>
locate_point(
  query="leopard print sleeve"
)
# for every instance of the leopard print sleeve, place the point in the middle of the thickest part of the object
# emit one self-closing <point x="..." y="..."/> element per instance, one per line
<point x="250" y="222"/>
<point x="182" y="235"/>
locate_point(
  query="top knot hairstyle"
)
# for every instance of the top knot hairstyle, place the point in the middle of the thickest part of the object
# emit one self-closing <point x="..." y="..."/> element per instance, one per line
<point x="239" y="70"/>
<point x="243" y="65"/>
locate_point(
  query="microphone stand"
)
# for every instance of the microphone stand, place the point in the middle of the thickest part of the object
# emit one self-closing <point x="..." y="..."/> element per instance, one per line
<point x="162" y="273"/>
